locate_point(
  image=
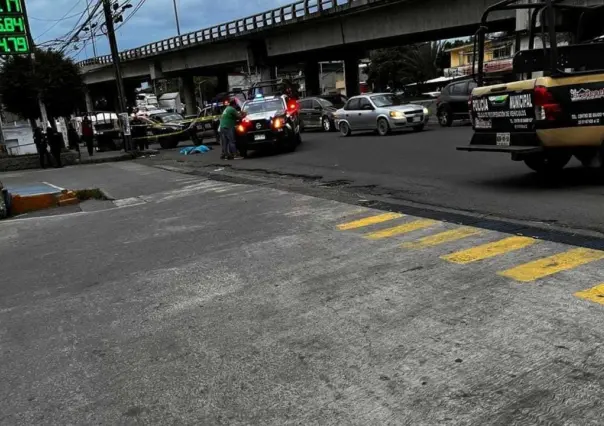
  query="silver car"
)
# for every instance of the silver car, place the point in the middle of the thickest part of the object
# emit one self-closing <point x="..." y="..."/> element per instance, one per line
<point x="379" y="111"/>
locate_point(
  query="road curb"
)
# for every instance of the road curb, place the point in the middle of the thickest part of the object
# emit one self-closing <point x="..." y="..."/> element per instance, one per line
<point x="20" y="204"/>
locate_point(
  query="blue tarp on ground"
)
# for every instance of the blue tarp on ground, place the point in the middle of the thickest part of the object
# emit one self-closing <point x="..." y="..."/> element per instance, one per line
<point x="201" y="149"/>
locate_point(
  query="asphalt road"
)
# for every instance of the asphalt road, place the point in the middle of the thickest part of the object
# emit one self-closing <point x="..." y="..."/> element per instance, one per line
<point x="203" y="302"/>
<point x="426" y="168"/>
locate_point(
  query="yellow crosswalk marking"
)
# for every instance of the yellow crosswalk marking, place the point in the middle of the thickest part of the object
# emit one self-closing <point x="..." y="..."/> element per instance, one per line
<point x="489" y="250"/>
<point x="369" y="221"/>
<point x="553" y="264"/>
<point x="401" y="229"/>
<point x="594" y="294"/>
<point x="442" y="238"/>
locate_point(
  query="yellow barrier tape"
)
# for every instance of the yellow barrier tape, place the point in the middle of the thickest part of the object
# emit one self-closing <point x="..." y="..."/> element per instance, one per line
<point x="165" y="135"/>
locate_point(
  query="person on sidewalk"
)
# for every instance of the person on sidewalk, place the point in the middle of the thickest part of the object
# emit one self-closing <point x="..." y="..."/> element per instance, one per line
<point x="88" y="135"/>
<point x="227" y="131"/>
<point x="55" y="142"/>
<point x="73" y="139"/>
<point x="41" y="147"/>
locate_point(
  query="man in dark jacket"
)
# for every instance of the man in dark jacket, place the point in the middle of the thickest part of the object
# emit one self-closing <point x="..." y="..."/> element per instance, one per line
<point x="41" y="147"/>
<point x="55" y="142"/>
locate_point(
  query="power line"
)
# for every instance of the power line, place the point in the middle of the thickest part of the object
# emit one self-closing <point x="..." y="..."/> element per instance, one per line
<point x="86" y="22"/>
<point x="59" y="20"/>
<point x="54" y="20"/>
<point x="136" y="8"/>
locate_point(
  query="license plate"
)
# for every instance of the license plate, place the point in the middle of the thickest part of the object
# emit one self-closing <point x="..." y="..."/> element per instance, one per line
<point x="503" y="139"/>
<point x="416" y="119"/>
<point x="259" y="137"/>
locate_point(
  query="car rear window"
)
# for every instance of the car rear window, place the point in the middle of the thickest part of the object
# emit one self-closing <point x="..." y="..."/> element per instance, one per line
<point x="267" y="106"/>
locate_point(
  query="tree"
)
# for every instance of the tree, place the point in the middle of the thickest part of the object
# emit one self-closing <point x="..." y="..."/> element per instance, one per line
<point x="55" y="77"/>
<point x="396" y="67"/>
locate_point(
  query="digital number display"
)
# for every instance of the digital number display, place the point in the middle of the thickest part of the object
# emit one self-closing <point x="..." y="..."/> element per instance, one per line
<point x="14" y="31"/>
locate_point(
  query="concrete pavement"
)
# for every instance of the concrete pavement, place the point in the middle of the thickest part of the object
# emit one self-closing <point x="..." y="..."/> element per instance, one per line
<point x="210" y="302"/>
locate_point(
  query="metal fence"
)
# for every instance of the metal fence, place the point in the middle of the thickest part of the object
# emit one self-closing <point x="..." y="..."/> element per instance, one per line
<point x="271" y="18"/>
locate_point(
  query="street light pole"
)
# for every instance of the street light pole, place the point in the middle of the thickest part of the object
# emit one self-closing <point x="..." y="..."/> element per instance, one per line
<point x="176" y="16"/>
<point x="121" y="93"/>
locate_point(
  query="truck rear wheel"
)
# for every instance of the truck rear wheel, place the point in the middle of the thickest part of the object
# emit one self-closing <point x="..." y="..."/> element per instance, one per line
<point x="548" y="162"/>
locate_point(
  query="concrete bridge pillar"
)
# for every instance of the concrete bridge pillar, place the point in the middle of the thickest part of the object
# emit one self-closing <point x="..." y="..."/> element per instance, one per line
<point x="223" y="82"/>
<point x="351" y="75"/>
<point x="188" y="87"/>
<point x="89" y="101"/>
<point x="312" y="79"/>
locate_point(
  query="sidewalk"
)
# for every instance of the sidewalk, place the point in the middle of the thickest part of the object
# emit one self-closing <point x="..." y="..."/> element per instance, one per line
<point x="69" y="158"/>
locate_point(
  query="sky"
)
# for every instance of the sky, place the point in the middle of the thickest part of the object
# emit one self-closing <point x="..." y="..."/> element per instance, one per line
<point x="154" y="21"/>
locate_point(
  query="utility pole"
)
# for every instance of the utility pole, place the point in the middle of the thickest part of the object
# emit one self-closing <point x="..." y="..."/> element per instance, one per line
<point x="121" y="93"/>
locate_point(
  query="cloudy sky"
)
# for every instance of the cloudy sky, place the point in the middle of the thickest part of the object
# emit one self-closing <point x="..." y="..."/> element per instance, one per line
<point x="52" y="19"/>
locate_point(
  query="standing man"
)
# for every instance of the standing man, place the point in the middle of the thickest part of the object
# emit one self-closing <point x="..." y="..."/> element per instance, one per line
<point x="227" y="131"/>
<point x="88" y="135"/>
<point x="73" y="138"/>
<point x="55" y="142"/>
<point x="41" y="147"/>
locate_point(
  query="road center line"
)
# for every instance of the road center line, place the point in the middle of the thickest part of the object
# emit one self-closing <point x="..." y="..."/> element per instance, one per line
<point x="371" y="220"/>
<point x="486" y="251"/>
<point x="401" y="229"/>
<point x="553" y="264"/>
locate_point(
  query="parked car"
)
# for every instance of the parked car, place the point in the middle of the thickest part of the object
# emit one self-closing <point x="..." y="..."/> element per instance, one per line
<point x="317" y="113"/>
<point x="452" y="104"/>
<point x="337" y="99"/>
<point x="382" y="112"/>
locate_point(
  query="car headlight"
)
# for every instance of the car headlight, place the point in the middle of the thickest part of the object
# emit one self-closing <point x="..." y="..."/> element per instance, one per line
<point x="397" y="114"/>
<point x="426" y="112"/>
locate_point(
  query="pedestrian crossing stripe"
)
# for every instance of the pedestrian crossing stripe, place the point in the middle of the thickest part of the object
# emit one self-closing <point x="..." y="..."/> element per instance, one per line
<point x="401" y="229"/>
<point x="553" y="264"/>
<point x="371" y="220"/>
<point x="442" y="238"/>
<point x="486" y="251"/>
<point x="594" y="294"/>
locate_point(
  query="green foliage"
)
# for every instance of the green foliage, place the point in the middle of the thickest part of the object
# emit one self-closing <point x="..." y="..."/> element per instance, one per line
<point x="398" y="66"/>
<point x="54" y="76"/>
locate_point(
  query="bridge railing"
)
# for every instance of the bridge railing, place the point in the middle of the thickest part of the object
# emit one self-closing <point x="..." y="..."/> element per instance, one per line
<point x="271" y="18"/>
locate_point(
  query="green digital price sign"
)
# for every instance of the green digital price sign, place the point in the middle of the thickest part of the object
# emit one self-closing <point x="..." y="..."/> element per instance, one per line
<point x="14" y="30"/>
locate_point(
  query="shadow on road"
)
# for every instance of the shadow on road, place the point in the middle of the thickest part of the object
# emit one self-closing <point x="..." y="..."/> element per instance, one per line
<point x="572" y="177"/>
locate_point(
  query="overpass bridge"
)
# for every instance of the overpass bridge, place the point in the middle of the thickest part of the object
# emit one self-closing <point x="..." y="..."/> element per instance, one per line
<point x="306" y="31"/>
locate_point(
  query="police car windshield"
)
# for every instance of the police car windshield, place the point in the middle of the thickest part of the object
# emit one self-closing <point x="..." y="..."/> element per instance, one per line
<point x="256" y="107"/>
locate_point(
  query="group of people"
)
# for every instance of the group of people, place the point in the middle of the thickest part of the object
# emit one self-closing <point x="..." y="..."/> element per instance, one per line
<point x="52" y="139"/>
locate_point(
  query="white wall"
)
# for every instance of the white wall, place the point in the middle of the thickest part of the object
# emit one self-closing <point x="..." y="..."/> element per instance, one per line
<point x="18" y="138"/>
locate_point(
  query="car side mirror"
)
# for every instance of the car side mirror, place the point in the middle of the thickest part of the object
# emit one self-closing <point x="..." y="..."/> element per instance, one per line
<point x="368" y="108"/>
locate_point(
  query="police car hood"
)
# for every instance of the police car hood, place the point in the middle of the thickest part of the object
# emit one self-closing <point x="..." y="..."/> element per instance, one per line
<point x="264" y="115"/>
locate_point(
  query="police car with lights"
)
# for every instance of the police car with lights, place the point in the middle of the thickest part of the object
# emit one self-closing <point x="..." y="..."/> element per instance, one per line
<point x="269" y="121"/>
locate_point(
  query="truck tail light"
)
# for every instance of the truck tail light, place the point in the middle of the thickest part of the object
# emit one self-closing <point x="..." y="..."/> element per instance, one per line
<point x="546" y="107"/>
<point x="240" y="129"/>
